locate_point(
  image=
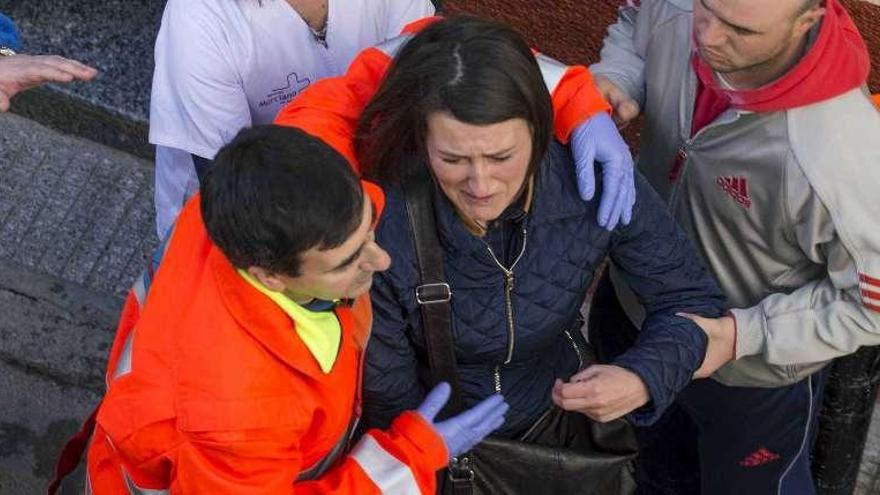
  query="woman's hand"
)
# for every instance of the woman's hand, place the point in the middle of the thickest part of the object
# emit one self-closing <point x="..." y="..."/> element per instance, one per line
<point x="602" y="392"/>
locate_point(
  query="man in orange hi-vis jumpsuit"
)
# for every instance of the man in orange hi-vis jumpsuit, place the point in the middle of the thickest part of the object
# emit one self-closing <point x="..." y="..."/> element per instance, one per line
<point x="239" y="372"/>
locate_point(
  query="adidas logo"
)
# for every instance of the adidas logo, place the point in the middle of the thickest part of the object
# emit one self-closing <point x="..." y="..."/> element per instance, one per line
<point x="737" y="188"/>
<point x="758" y="457"/>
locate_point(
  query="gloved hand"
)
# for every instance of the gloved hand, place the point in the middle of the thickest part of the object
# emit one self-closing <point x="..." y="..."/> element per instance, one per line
<point x="599" y="140"/>
<point x="460" y="433"/>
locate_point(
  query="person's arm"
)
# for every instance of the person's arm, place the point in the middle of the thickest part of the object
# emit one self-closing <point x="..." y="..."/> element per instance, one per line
<point x="197" y="102"/>
<point x="159" y="456"/>
<point x="663" y="268"/>
<point x="621" y="66"/>
<point x="839" y="312"/>
<point x="164" y="452"/>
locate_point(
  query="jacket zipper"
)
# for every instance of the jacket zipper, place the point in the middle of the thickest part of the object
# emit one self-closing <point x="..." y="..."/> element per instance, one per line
<point x="690" y="92"/>
<point x="684" y="153"/>
<point x="577" y="350"/>
<point x="509" y="281"/>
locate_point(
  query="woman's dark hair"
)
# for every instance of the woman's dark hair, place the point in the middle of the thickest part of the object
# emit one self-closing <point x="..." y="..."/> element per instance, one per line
<point x="275" y="192"/>
<point x="479" y="71"/>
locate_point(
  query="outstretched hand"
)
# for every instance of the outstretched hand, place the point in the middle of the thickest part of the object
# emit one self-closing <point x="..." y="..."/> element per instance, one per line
<point x="462" y="432"/>
<point x="21" y="72"/>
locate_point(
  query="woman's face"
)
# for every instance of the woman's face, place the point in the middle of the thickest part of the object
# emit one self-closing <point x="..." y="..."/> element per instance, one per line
<point x="480" y="168"/>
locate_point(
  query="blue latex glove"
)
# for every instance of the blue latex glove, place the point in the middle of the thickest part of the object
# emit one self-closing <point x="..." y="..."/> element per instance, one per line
<point x="8" y="34"/>
<point x="460" y="433"/>
<point x="599" y="140"/>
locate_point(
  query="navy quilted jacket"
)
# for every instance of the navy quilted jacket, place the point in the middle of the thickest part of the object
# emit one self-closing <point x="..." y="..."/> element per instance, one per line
<point x="560" y="245"/>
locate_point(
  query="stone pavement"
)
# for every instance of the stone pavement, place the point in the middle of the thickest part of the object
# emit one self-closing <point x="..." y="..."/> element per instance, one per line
<point x="75" y="227"/>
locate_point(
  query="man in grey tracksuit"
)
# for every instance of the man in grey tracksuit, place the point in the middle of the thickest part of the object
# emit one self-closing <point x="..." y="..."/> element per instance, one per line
<point x="759" y="133"/>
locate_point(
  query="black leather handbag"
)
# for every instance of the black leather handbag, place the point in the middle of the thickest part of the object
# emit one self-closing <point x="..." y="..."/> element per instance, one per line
<point x="562" y="452"/>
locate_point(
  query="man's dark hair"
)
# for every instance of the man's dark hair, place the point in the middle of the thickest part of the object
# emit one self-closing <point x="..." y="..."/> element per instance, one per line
<point x="480" y="71"/>
<point x="275" y="192"/>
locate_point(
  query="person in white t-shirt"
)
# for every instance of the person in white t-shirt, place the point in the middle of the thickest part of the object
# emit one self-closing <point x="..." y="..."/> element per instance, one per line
<point x="222" y="65"/>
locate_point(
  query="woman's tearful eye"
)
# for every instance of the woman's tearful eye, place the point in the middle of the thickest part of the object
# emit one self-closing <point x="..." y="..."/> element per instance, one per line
<point x="499" y="159"/>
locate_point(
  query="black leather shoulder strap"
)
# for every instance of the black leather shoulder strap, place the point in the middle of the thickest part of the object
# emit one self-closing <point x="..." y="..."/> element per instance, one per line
<point x="433" y="293"/>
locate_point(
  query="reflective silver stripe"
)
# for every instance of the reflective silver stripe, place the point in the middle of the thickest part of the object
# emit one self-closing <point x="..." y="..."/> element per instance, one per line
<point x="88" y="488"/>
<point x="123" y="365"/>
<point x="140" y="290"/>
<point x="320" y="467"/>
<point x="136" y="490"/>
<point x="552" y="70"/>
<point x="386" y="471"/>
<point x="392" y="46"/>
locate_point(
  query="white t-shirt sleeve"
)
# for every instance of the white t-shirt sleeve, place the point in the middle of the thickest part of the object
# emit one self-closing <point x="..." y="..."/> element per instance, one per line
<point x="399" y="13"/>
<point x="198" y="102"/>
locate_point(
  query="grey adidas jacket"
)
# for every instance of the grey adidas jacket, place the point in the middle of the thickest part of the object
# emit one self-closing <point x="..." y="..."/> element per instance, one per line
<point x="784" y="206"/>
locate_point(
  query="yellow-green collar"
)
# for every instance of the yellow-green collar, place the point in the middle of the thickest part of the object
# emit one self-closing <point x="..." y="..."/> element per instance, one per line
<point x="320" y="331"/>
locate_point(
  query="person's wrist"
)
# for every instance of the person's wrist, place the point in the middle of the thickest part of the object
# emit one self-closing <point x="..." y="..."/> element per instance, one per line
<point x="730" y="326"/>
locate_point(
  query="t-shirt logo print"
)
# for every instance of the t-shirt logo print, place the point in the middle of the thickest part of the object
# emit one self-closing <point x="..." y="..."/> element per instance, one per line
<point x="286" y="93"/>
<point x="737" y="188"/>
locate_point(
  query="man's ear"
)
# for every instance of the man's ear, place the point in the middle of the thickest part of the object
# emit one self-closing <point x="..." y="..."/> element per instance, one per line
<point x="270" y="280"/>
<point x="807" y="20"/>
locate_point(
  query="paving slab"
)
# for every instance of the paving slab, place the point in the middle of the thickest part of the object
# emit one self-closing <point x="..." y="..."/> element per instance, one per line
<point x="72" y="208"/>
<point x="34" y="426"/>
<point x="54" y="340"/>
<point x="76" y="225"/>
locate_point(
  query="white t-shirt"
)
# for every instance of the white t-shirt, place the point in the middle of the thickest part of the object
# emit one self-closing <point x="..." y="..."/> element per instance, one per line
<point x="222" y="65"/>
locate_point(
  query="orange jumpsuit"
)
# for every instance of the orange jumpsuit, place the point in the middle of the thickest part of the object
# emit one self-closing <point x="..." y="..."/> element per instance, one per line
<point x="212" y="391"/>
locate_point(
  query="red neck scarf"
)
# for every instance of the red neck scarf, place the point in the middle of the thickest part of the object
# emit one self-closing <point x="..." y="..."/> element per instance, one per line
<point x="836" y="62"/>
